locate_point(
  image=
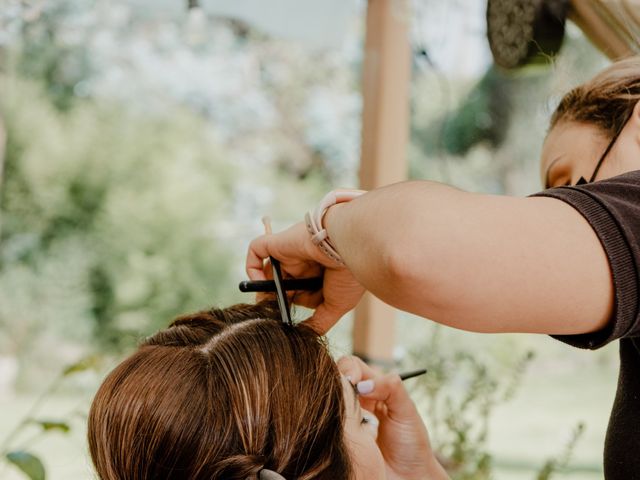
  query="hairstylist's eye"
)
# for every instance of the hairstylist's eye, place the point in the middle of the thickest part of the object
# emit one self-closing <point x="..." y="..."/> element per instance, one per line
<point x="562" y="181"/>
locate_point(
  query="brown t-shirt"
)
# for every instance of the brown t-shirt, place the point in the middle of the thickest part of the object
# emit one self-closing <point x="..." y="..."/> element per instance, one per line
<point x="612" y="208"/>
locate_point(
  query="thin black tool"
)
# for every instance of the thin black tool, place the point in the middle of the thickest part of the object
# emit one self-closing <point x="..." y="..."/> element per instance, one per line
<point x="407" y="375"/>
<point x="283" y="302"/>
<point x="309" y="284"/>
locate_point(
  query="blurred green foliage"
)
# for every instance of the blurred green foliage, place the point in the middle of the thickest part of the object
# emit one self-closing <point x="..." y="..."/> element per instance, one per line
<point x="116" y="216"/>
<point x="483" y="115"/>
<point x="107" y="216"/>
<point x="15" y="445"/>
<point x="561" y="462"/>
<point x="59" y="66"/>
<point x="461" y="394"/>
<point x="118" y="212"/>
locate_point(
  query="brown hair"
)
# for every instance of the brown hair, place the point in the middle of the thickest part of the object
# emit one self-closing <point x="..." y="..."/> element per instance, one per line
<point x="222" y="394"/>
<point x="607" y="100"/>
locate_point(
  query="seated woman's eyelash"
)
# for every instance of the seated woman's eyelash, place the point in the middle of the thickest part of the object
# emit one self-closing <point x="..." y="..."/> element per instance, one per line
<point x="365" y="420"/>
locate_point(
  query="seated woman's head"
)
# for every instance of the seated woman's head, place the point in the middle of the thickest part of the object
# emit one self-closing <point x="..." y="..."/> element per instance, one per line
<point x="225" y="394"/>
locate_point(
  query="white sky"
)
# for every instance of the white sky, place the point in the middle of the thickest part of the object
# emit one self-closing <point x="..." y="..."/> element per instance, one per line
<point x="452" y="30"/>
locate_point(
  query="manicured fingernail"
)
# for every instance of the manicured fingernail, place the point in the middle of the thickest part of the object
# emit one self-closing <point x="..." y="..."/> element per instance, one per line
<point x="366" y="386"/>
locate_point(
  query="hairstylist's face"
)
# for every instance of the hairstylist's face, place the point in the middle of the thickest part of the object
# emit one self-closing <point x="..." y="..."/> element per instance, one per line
<point x="361" y="431"/>
<point x="572" y="150"/>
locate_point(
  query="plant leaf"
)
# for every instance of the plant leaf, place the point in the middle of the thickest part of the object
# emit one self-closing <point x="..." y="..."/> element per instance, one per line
<point x="48" y="425"/>
<point x="28" y="463"/>
<point x="86" y="363"/>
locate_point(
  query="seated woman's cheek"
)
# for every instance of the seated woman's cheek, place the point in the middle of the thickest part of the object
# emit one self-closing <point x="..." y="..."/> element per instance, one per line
<point x="367" y="460"/>
<point x="361" y="431"/>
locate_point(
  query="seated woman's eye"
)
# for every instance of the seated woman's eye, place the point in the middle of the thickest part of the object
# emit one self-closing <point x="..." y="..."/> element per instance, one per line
<point x="369" y="419"/>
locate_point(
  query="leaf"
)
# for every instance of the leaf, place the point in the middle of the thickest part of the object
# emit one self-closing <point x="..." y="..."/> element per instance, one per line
<point x="86" y="363"/>
<point x="28" y="463"/>
<point x="48" y="425"/>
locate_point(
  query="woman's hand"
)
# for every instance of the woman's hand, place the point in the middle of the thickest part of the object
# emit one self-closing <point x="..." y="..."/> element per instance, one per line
<point x="299" y="258"/>
<point x="402" y="436"/>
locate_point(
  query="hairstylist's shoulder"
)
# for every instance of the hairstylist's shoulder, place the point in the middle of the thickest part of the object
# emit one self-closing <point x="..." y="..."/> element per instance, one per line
<point x="625" y="181"/>
<point x="618" y="196"/>
<point x="612" y="208"/>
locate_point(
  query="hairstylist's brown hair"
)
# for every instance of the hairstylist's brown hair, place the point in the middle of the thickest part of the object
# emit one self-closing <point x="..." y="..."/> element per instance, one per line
<point x="221" y="394"/>
<point x="606" y="101"/>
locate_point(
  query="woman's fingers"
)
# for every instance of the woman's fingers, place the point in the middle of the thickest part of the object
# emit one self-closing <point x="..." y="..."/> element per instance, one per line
<point x="323" y="319"/>
<point x="386" y="389"/>
<point x="300" y="258"/>
<point x="286" y="248"/>
<point x="389" y="390"/>
<point x="355" y="369"/>
<point x="258" y="267"/>
<point x="341" y="293"/>
<point x="402" y="436"/>
<point x="308" y="299"/>
<point x="256" y="254"/>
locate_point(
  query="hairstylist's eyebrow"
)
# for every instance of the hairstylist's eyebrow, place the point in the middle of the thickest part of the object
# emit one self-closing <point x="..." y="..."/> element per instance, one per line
<point x="546" y="175"/>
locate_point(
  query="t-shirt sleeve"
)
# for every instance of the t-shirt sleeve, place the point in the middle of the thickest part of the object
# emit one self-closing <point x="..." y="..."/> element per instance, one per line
<point x="612" y="208"/>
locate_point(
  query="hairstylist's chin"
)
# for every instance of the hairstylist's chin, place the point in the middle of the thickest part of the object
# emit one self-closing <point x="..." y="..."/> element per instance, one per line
<point x="361" y="430"/>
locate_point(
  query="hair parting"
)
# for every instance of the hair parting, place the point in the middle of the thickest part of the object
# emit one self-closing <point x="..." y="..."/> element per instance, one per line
<point x="222" y="394"/>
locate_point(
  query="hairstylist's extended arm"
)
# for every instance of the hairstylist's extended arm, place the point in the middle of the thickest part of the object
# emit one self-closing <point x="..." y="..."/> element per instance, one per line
<point x="477" y="262"/>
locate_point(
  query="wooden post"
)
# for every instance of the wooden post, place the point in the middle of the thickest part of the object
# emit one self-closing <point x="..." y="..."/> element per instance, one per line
<point x="3" y="151"/>
<point x="385" y="127"/>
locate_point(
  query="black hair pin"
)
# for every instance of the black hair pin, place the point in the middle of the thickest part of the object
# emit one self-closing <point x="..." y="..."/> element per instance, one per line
<point x="283" y="301"/>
